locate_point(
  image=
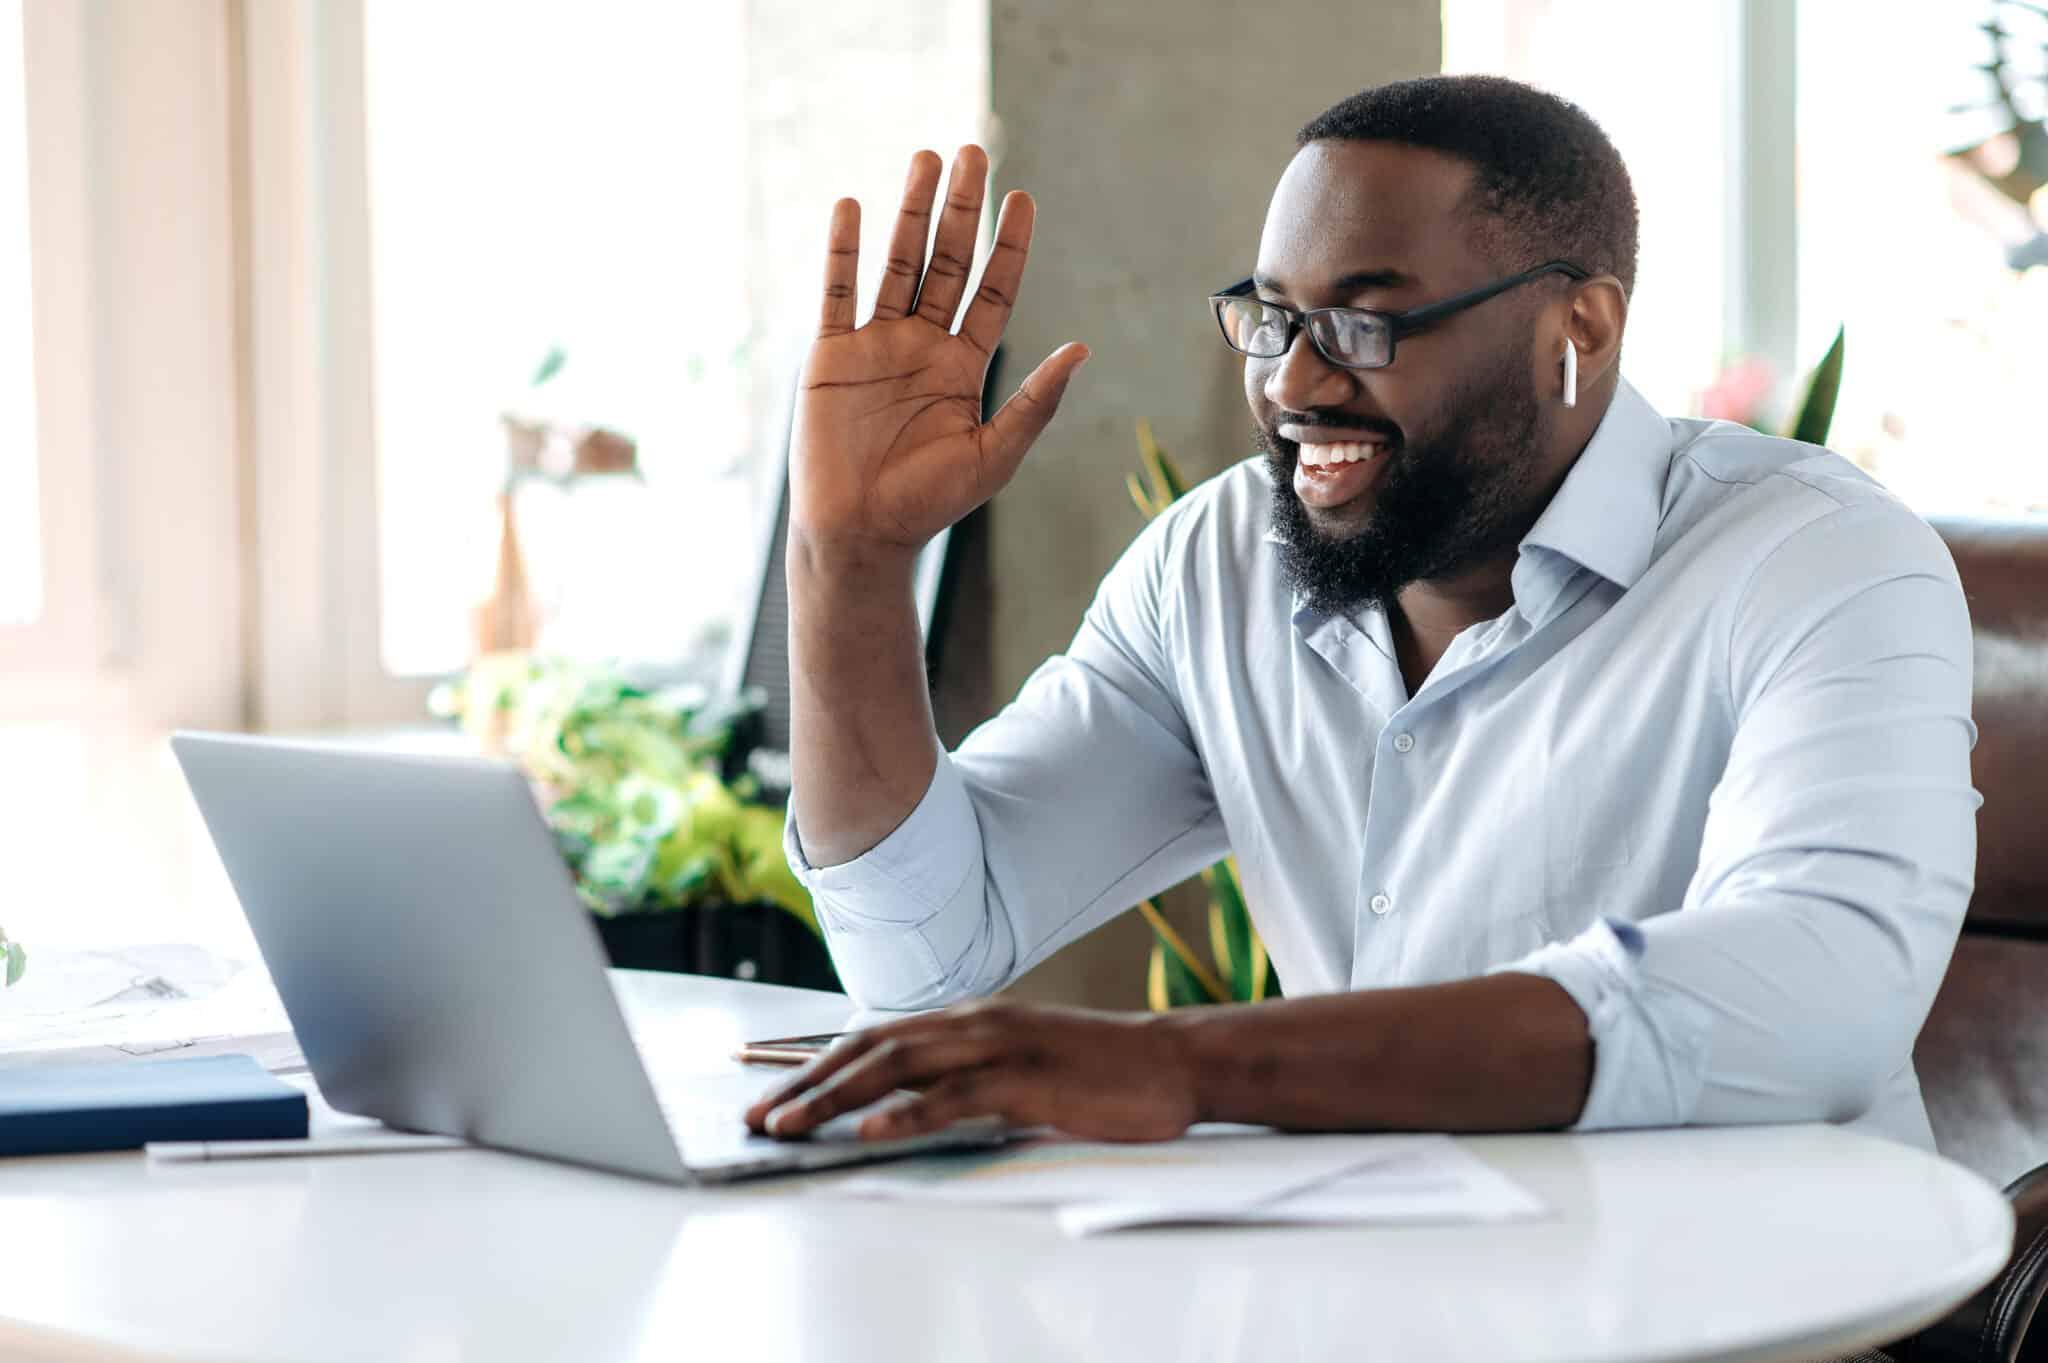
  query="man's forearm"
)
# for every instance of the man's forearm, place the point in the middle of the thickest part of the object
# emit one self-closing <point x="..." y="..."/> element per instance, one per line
<point x="862" y="743"/>
<point x="1505" y="1052"/>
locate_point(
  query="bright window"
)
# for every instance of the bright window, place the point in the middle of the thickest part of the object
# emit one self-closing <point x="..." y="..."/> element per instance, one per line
<point x="21" y="571"/>
<point x="1947" y="341"/>
<point x="646" y="187"/>
<point x="550" y="176"/>
<point x="1612" y="58"/>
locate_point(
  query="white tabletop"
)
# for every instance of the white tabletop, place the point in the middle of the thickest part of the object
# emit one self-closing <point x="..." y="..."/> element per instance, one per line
<point x="1758" y="1243"/>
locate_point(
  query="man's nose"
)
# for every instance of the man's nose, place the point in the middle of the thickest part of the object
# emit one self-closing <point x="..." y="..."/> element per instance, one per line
<point x="1302" y="380"/>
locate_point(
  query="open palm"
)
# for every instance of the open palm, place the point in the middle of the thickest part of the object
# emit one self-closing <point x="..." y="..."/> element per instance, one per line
<point x="889" y="447"/>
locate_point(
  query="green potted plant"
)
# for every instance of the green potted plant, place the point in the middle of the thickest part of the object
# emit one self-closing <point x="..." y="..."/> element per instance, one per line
<point x="673" y="845"/>
<point x="15" y="959"/>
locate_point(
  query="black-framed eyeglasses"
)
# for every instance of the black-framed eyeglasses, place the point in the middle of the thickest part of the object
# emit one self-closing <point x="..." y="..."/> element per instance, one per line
<point x="1351" y="338"/>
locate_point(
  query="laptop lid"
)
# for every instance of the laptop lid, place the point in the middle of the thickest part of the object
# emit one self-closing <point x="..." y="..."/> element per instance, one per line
<point x="428" y="945"/>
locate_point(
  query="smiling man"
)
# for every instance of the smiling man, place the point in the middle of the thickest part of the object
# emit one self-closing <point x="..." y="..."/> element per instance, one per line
<point x="1584" y="768"/>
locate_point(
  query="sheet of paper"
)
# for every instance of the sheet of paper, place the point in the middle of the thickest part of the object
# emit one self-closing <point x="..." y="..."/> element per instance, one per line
<point x="65" y="981"/>
<point x="1210" y="1168"/>
<point x="1427" y="1179"/>
<point x="147" y="1002"/>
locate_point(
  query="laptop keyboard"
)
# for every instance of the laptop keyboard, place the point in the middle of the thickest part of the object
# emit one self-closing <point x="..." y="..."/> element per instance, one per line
<point x="704" y="1132"/>
<point x="705" y="1114"/>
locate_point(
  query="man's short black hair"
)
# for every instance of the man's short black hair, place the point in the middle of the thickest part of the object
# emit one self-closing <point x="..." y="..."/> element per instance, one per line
<point x="1552" y="184"/>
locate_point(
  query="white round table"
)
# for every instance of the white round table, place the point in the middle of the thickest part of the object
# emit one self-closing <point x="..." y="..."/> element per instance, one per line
<point x="1756" y="1243"/>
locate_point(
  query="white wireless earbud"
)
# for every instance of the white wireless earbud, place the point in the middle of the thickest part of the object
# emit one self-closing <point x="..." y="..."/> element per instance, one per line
<point x="1571" y="375"/>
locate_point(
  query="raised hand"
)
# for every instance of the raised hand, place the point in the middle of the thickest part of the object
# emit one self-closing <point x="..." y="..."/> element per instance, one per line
<point x="889" y="447"/>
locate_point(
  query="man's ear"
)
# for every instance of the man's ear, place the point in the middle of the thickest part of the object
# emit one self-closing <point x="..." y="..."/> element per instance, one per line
<point x="1599" y="311"/>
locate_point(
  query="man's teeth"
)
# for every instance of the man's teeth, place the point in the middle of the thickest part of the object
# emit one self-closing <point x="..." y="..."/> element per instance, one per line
<point x="1347" y="452"/>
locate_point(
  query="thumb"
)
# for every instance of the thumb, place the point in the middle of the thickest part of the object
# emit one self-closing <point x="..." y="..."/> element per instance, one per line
<point x="1008" y="434"/>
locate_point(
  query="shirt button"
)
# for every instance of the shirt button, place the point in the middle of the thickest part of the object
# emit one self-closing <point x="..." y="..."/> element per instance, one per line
<point x="1380" y="903"/>
<point x="1403" y="742"/>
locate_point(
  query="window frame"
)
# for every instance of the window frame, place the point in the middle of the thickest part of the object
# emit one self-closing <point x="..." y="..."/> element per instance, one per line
<point x="308" y="368"/>
<point x="1762" y="117"/>
<point x="132" y="273"/>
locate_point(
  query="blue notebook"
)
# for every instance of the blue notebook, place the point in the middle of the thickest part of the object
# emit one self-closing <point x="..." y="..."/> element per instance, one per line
<point x="63" y="1109"/>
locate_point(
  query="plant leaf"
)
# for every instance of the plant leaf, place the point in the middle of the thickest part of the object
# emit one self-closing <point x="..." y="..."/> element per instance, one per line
<point x="1264" y="985"/>
<point x="550" y="365"/>
<point x="617" y="872"/>
<point x="1817" y="411"/>
<point x="651" y="809"/>
<point x="764" y="870"/>
<point x="1139" y="499"/>
<point x="573" y="846"/>
<point x="1183" y="956"/>
<point x="1155" y="981"/>
<point x="17" y="961"/>
<point x="1231" y="927"/>
<point x="1183" y="990"/>
<point x="1167" y="484"/>
<point x="1219" y="947"/>
<point x="676" y="877"/>
<point x="1148" y="451"/>
<point x="1170" y="473"/>
<point x="1169" y="984"/>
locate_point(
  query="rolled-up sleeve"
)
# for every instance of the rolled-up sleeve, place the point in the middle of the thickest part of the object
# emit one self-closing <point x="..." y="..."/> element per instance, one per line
<point x="1081" y="797"/>
<point x="1837" y="859"/>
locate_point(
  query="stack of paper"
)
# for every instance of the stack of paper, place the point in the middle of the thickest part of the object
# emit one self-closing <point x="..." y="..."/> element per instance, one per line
<point x="1216" y="1175"/>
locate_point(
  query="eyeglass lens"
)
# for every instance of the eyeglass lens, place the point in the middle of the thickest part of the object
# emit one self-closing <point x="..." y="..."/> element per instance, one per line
<point x="1252" y="327"/>
<point x="1353" y="338"/>
<point x="1263" y="331"/>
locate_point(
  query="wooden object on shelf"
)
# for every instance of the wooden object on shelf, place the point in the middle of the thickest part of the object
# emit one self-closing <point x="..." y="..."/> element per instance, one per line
<point x="507" y="619"/>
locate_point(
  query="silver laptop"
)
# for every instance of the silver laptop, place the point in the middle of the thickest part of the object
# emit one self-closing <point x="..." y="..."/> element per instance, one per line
<point x="442" y="975"/>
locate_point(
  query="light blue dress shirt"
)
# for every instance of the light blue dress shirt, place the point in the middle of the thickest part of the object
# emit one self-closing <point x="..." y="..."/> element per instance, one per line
<point x="1710" y="773"/>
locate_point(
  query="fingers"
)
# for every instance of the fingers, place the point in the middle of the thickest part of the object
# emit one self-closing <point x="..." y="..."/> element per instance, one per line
<point x="881" y="1070"/>
<point x="945" y="278"/>
<point x="841" y="1054"/>
<point x="1009" y="433"/>
<point x="989" y="313"/>
<point x="842" y="265"/>
<point x="978" y="1093"/>
<point x="906" y="245"/>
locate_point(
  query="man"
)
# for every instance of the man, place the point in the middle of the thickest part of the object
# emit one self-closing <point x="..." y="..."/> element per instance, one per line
<point x="1584" y="769"/>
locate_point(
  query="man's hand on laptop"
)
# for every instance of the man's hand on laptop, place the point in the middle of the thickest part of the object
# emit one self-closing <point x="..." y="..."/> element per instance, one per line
<point x="1100" y="1076"/>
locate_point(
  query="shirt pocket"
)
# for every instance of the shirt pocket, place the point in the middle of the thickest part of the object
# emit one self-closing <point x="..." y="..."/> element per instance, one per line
<point x="1590" y="841"/>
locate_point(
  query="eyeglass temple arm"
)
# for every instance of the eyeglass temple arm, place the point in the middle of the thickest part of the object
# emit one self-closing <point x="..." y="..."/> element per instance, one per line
<point x="1405" y="322"/>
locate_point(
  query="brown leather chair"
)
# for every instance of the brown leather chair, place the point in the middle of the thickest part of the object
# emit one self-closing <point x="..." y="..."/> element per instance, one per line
<point x="1983" y="1055"/>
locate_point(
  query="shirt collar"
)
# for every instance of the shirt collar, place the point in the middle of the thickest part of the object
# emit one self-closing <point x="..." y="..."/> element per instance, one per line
<point x="1604" y="516"/>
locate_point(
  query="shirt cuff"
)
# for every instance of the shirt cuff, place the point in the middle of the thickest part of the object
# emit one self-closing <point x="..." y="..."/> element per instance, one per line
<point x="912" y="874"/>
<point x="1649" y="1041"/>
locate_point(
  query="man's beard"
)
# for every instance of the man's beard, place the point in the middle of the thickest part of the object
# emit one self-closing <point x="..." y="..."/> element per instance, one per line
<point x="1448" y="500"/>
